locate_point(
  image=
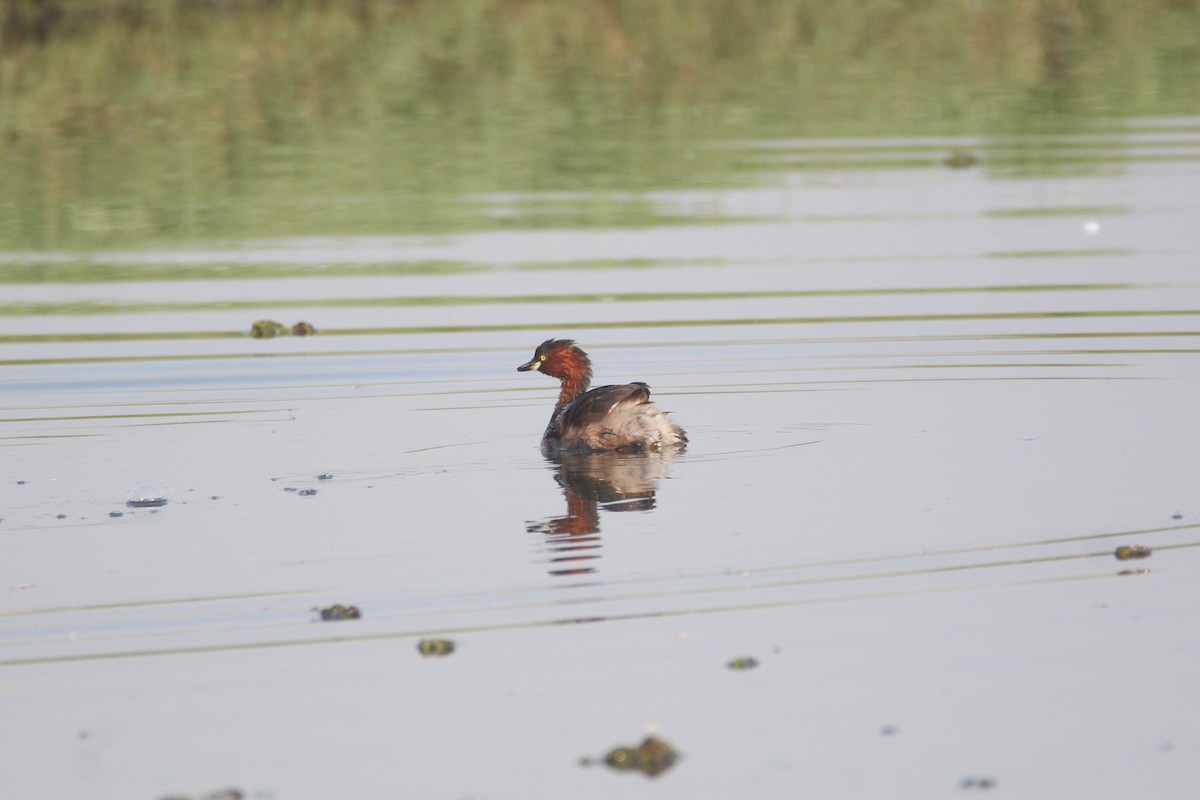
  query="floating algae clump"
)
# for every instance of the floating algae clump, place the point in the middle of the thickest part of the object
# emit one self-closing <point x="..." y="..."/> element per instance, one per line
<point x="1129" y="552"/>
<point x="269" y="328"/>
<point x="748" y="662"/>
<point x="266" y="329"/>
<point x="435" y="647"/>
<point x="652" y="757"/>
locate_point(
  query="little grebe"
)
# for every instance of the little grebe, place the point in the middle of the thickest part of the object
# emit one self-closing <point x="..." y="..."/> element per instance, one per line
<point x="605" y="418"/>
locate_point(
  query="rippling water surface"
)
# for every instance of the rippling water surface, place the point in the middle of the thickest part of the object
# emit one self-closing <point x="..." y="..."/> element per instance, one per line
<point x="925" y="405"/>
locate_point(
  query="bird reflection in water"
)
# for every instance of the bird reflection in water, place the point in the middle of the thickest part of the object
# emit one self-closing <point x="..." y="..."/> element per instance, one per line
<point x="591" y="481"/>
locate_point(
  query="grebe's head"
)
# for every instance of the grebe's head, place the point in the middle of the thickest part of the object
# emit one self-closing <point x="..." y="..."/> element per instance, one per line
<point x="560" y="358"/>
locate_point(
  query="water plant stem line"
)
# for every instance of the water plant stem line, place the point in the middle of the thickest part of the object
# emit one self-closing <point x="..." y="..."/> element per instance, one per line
<point x="609" y="325"/>
<point x="685" y="611"/>
<point x="79" y="308"/>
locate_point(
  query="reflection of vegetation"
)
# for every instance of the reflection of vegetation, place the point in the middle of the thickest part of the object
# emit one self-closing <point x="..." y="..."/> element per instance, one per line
<point x="125" y="122"/>
<point x="961" y="160"/>
<point x="270" y="328"/>
<point x="92" y="271"/>
<point x="56" y="271"/>
<point x="1078" y="253"/>
<point x="1058" y="211"/>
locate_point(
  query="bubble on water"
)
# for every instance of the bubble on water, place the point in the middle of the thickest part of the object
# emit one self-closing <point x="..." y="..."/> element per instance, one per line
<point x="1091" y="227"/>
<point x="146" y="496"/>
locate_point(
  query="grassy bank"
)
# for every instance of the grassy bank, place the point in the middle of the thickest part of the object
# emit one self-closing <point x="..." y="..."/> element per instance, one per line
<point x="123" y="122"/>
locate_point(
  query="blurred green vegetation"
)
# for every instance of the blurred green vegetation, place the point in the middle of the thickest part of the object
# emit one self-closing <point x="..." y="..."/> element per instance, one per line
<point x="124" y="123"/>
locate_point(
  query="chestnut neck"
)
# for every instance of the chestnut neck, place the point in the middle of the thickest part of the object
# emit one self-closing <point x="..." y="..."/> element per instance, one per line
<point x="574" y="369"/>
<point x="572" y="387"/>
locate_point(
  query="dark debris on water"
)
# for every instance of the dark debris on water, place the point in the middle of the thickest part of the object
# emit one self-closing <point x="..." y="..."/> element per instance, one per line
<point x="981" y="783"/>
<point x="339" y="612"/>
<point x="221" y="794"/>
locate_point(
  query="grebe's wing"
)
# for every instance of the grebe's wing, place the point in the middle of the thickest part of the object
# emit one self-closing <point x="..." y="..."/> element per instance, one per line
<point x="591" y="408"/>
<point x="618" y="418"/>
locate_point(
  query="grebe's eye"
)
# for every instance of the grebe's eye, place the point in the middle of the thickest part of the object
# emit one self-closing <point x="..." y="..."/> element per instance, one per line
<point x="542" y="357"/>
